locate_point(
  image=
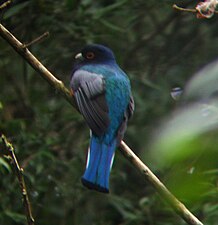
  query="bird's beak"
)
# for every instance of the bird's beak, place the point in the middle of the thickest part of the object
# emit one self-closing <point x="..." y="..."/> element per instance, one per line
<point x="79" y="56"/>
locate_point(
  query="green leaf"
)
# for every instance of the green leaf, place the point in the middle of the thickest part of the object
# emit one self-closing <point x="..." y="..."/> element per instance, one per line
<point x="1" y="106"/>
<point x="124" y="207"/>
<point x="15" y="9"/>
<point x="103" y="11"/>
<point x="4" y="164"/>
<point x="187" y="132"/>
<point x="112" y="26"/>
<point x="17" y="217"/>
<point x="204" y="84"/>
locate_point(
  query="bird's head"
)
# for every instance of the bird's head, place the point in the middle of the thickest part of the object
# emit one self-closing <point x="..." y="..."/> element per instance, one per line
<point x="95" y="53"/>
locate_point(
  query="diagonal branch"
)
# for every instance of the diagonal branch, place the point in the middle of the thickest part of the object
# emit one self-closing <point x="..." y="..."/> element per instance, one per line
<point x="9" y="151"/>
<point x="178" y="207"/>
<point x="5" y="4"/>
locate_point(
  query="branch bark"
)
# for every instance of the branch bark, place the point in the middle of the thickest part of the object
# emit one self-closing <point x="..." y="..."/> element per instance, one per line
<point x="38" y="39"/>
<point x="177" y="206"/>
<point x="5" y="4"/>
<point x="19" y="173"/>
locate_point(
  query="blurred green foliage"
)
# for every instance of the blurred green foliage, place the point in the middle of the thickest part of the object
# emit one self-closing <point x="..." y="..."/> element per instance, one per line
<point x="159" y="49"/>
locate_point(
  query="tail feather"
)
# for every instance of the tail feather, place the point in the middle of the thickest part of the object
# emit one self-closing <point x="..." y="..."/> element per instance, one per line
<point x="99" y="163"/>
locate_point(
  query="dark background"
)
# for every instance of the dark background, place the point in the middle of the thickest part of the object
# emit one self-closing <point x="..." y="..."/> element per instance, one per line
<point x="159" y="48"/>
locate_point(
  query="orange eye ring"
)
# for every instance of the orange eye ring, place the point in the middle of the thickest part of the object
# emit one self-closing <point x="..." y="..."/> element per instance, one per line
<point x="90" y="55"/>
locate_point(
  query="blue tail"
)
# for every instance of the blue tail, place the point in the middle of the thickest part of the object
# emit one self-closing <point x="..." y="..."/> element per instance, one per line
<point x="99" y="162"/>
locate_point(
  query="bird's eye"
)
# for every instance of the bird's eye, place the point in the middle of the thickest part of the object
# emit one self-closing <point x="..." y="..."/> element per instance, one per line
<point x="90" y="55"/>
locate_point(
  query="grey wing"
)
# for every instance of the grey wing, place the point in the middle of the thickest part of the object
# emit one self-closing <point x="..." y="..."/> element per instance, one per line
<point x="89" y="92"/>
<point x="127" y="115"/>
<point x="131" y="107"/>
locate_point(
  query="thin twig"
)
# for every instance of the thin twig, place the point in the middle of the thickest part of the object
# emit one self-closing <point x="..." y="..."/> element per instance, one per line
<point x="19" y="173"/>
<point x="5" y="4"/>
<point x="38" y="39"/>
<point x="184" y="9"/>
<point x="187" y="10"/>
<point x="178" y="207"/>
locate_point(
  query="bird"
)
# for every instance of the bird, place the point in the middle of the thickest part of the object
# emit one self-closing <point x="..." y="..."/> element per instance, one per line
<point x="103" y="96"/>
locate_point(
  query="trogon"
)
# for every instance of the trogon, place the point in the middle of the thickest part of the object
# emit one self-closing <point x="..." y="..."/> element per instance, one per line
<point x="103" y="96"/>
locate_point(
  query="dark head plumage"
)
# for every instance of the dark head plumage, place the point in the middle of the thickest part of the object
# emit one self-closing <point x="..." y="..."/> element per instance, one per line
<point x="95" y="53"/>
